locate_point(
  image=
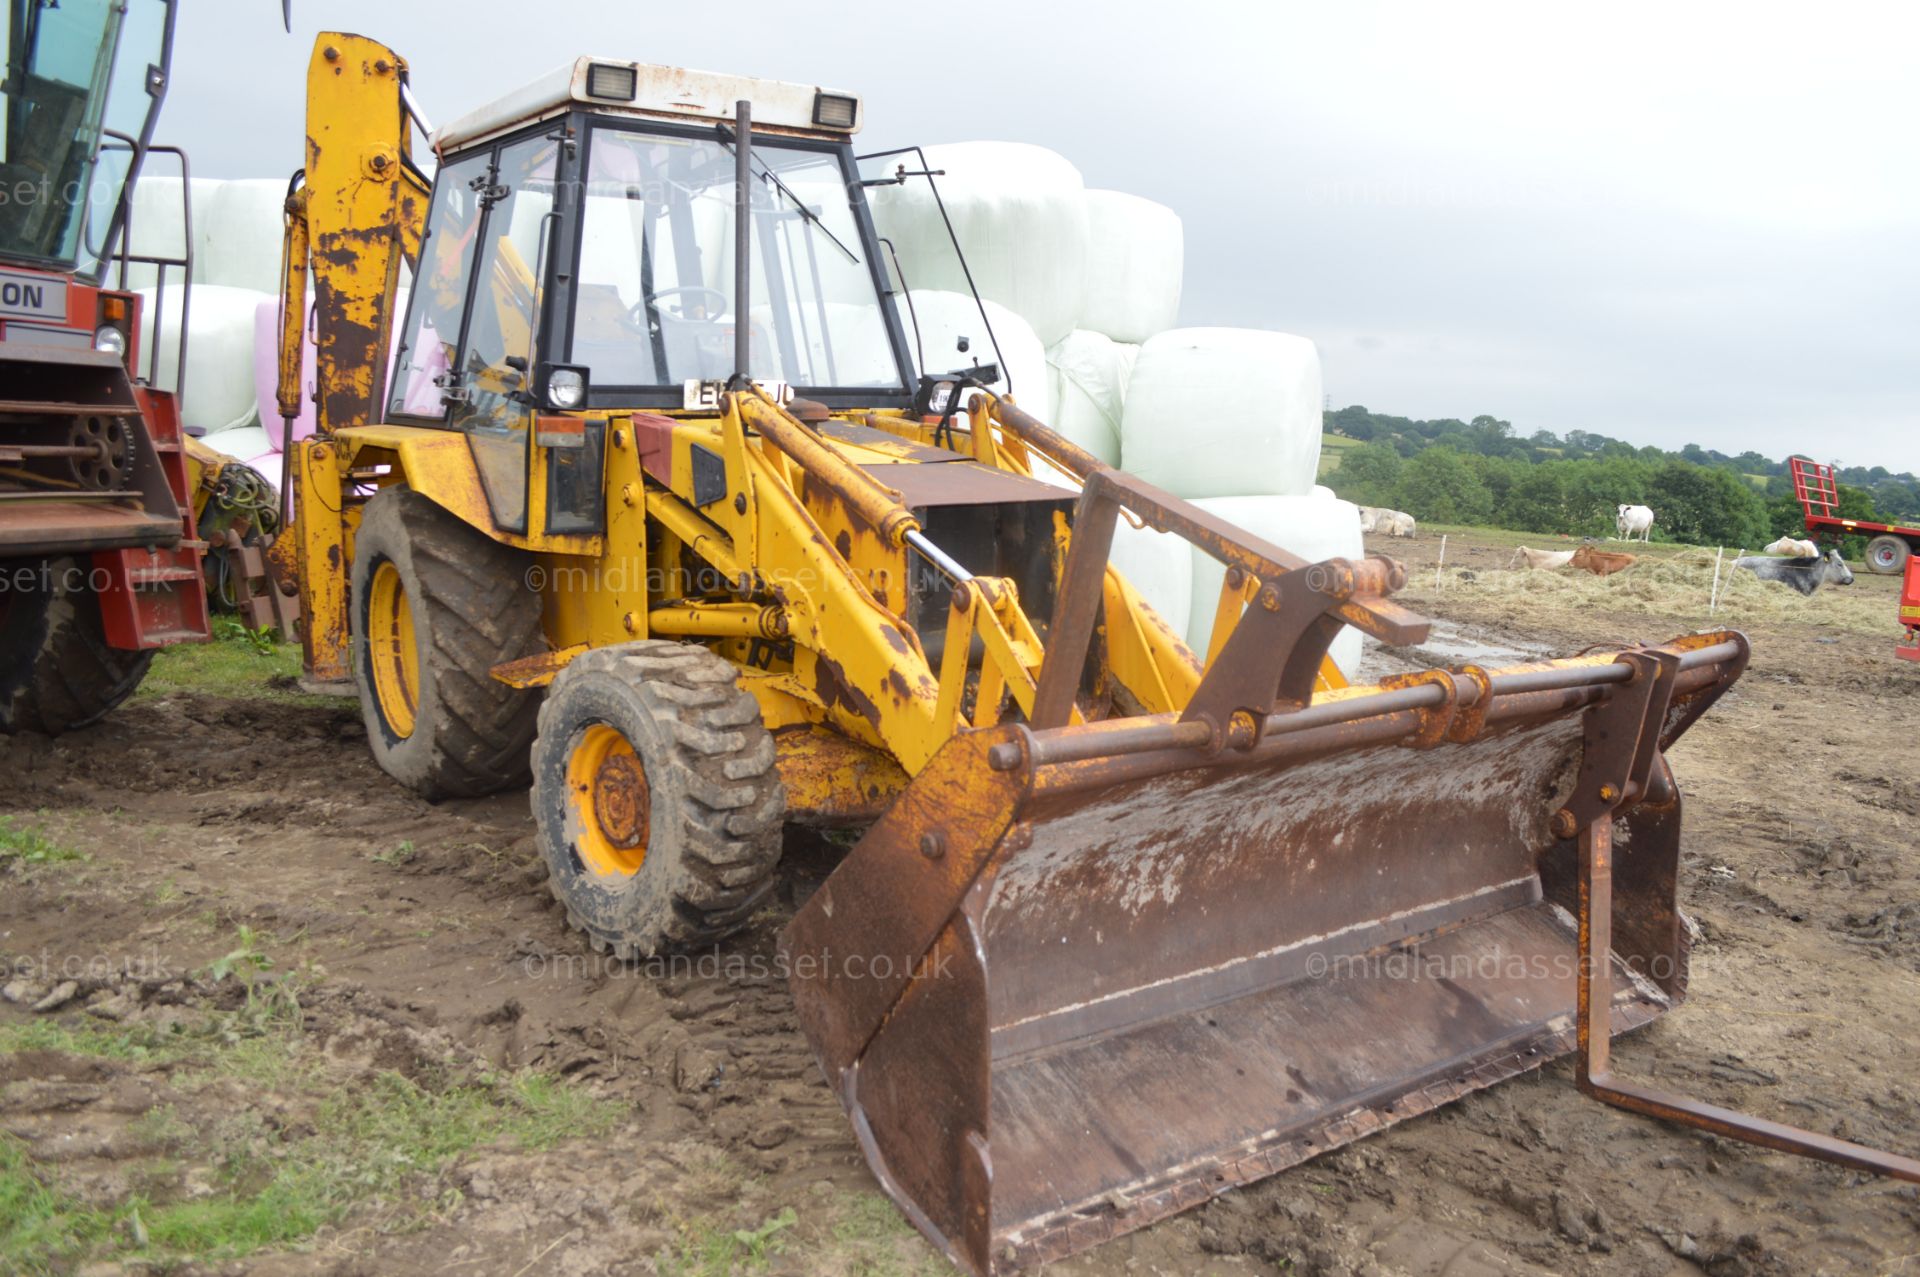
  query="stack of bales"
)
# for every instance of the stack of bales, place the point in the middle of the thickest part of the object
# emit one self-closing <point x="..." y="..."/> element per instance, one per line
<point x="1083" y="291"/>
<point x="233" y="310"/>
<point x="235" y="242"/>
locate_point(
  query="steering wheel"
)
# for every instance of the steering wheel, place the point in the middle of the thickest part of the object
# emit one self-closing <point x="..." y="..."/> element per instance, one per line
<point x="651" y="302"/>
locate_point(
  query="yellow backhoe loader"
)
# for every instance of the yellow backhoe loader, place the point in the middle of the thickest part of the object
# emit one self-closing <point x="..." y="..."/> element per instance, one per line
<point x="649" y="505"/>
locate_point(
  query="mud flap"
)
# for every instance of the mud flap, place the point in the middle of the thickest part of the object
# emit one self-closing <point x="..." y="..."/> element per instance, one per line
<point x="1077" y="980"/>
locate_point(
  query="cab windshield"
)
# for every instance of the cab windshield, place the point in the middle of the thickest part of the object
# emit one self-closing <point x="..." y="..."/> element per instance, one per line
<point x="654" y="292"/>
<point x="76" y="72"/>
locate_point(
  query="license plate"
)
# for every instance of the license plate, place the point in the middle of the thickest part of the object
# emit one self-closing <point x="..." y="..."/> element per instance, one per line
<point x="32" y="296"/>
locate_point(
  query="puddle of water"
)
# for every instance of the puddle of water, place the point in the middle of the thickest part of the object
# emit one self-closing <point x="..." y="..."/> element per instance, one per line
<point x="1447" y="646"/>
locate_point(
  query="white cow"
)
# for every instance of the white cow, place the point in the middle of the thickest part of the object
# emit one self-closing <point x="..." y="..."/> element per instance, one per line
<point x="1635" y="520"/>
<point x="1542" y="560"/>
<point x="1402" y="526"/>
<point x="1793" y="548"/>
<point x="1370" y="516"/>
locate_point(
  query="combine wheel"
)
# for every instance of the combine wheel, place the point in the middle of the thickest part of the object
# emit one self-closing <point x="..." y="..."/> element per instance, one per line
<point x="434" y="606"/>
<point x="656" y="796"/>
<point x="57" y="672"/>
<point x="1888" y="555"/>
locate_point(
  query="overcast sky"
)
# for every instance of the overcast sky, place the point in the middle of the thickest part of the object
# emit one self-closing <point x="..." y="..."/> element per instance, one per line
<point x="1669" y="223"/>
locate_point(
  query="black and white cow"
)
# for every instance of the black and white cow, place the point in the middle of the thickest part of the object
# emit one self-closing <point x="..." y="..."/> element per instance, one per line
<point x="1804" y="575"/>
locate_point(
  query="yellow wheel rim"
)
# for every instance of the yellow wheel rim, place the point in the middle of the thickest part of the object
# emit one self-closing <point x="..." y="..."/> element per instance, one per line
<point x="392" y="651"/>
<point x="609" y="808"/>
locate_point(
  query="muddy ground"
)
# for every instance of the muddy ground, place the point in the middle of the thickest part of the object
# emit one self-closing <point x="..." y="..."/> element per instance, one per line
<point x="298" y="1021"/>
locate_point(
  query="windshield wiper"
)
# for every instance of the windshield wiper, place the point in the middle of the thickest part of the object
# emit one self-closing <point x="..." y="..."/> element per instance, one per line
<point x="812" y="218"/>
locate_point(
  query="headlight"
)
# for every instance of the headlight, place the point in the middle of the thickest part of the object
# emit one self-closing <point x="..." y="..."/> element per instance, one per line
<point x="940" y="399"/>
<point x="109" y="340"/>
<point x="835" y="110"/>
<point x="566" y="389"/>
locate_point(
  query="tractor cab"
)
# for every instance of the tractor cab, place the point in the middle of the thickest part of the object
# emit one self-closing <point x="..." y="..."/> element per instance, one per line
<point x="582" y="256"/>
<point x="581" y="253"/>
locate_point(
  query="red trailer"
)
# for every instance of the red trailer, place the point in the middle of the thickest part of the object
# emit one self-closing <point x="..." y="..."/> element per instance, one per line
<point x="1910" y="612"/>
<point x="1819" y="496"/>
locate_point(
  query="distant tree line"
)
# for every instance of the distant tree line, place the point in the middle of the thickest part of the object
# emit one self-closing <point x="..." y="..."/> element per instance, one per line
<point x="1481" y="471"/>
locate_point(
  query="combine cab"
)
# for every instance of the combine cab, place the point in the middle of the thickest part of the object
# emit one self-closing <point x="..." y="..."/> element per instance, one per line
<point x="99" y="564"/>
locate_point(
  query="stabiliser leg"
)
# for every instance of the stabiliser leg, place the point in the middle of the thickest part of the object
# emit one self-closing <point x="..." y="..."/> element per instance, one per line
<point x="1621" y="762"/>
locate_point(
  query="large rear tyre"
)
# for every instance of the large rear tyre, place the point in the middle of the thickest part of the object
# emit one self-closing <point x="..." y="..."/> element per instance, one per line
<point x="1888" y="555"/>
<point x="434" y="606"/>
<point x="656" y="796"/>
<point x="57" y="671"/>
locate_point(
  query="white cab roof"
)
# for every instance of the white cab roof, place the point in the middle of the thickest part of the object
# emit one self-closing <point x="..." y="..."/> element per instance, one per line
<point x="674" y="92"/>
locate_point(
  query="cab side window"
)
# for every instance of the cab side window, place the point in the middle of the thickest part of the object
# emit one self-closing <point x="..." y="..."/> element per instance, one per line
<point x="497" y="352"/>
<point x="439" y="304"/>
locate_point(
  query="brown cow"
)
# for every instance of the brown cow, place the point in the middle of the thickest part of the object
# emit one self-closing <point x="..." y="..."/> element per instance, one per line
<point x="1601" y="562"/>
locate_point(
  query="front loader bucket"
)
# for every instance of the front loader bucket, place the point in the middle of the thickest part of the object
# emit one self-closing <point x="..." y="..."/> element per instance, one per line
<point x="1079" y="979"/>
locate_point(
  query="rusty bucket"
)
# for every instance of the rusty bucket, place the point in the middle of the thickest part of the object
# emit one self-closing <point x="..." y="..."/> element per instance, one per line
<point x="1079" y="979"/>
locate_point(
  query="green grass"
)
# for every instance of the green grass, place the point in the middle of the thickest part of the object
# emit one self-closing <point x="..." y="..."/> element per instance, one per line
<point x="90" y="1041"/>
<point x="870" y="1238"/>
<point x="398" y="856"/>
<point x="713" y="1250"/>
<point x="371" y="1139"/>
<point x="1432" y="532"/>
<point x="30" y="845"/>
<point x="1333" y="449"/>
<point x="237" y="663"/>
<point x="275" y="1190"/>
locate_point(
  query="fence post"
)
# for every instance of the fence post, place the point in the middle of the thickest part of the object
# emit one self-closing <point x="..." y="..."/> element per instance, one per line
<point x="1442" y="563"/>
<point x="1713" y="601"/>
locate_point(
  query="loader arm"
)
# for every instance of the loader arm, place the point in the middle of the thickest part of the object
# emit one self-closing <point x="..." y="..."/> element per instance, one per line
<point x="868" y="672"/>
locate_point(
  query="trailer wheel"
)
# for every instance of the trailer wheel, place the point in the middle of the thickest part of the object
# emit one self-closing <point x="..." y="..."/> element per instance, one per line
<point x="1888" y="555"/>
<point x="57" y="671"/>
<point x="434" y="606"/>
<point x="656" y="796"/>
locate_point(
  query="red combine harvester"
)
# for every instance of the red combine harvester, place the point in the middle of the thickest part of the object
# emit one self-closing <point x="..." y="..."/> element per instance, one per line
<point x="99" y="560"/>
<point x="1819" y="496"/>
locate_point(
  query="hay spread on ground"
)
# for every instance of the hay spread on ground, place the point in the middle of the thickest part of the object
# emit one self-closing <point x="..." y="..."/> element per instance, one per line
<point x="1668" y="586"/>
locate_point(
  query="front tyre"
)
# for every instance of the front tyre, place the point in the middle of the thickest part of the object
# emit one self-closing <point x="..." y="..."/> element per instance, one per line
<point x="434" y="606"/>
<point x="656" y="797"/>
<point x="58" y="673"/>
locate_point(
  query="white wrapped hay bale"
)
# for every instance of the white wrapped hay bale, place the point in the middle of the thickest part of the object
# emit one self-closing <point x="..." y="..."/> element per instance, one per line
<point x="1020" y="214"/>
<point x="219" y="392"/>
<point x="157" y="225"/>
<point x="251" y="445"/>
<point x="1089" y="390"/>
<point x="944" y="318"/>
<point x="1135" y="254"/>
<point x="1312" y="527"/>
<point x="1224" y="412"/>
<point x="1160" y="566"/>
<point x="244" y="229"/>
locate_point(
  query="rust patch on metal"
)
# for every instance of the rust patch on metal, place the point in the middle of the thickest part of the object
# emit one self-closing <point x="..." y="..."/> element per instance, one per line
<point x="537" y="670"/>
<point x="832" y="781"/>
<point x="837" y="691"/>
